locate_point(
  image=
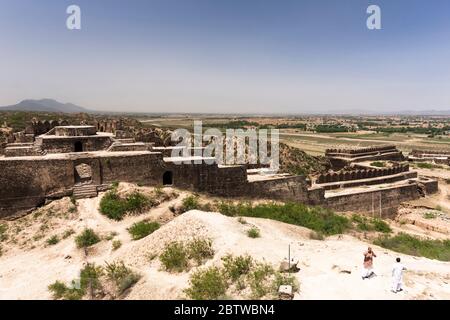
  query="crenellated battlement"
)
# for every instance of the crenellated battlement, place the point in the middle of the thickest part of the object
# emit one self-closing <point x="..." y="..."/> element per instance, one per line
<point x="355" y="152"/>
<point x="361" y="174"/>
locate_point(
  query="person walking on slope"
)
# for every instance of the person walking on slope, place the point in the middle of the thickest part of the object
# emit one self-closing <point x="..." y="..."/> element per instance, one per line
<point x="397" y="275"/>
<point x="368" y="263"/>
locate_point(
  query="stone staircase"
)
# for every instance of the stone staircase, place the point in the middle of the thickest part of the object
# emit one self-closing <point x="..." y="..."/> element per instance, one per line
<point x="85" y="191"/>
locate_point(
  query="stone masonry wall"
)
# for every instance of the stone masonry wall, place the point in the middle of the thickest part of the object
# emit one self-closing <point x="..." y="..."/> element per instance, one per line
<point x="67" y="145"/>
<point x="370" y="203"/>
<point x="25" y="183"/>
<point x="360" y="174"/>
<point x="360" y="151"/>
<point x="146" y="168"/>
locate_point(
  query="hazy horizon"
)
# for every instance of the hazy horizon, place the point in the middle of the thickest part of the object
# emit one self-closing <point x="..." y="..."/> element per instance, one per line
<point x="211" y="56"/>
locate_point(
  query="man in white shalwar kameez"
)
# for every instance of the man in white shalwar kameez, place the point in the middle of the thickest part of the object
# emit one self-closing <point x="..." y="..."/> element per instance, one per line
<point x="397" y="275"/>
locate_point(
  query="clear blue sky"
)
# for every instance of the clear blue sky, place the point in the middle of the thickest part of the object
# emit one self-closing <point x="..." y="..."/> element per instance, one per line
<point x="228" y="55"/>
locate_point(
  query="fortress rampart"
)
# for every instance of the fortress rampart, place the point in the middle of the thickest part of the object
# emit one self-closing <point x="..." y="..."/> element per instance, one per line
<point x="79" y="161"/>
<point x="440" y="157"/>
<point x="340" y="158"/>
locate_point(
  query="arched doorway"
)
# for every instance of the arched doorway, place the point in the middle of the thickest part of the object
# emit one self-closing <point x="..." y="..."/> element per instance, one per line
<point x="168" y="178"/>
<point x="78" y="147"/>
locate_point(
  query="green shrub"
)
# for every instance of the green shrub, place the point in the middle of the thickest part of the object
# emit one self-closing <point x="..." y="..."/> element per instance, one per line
<point x="116" y="244"/>
<point x="74" y="294"/>
<point x="58" y="289"/>
<point x="243" y="272"/>
<point x="233" y="210"/>
<point x="258" y="279"/>
<point x="87" y="238"/>
<point x="364" y="226"/>
<point x="429" y="215"/>
<point x="253" y="233"/>
<point x="379" y="164"/>
<point x="142" y="229"/>
<point x="200" y="250"/>
<point x="315" y="218"/>
<point x="113" y="206"/>
<point x="115" y="184"/>
<point x="381" y="226"/>
<point x="236" y="267"/>
<point x="407" y="244"/>
<point x="207" y="284"/>
<point x="174" y="257"/>
<point x="3" y="230"/>
<point x="91" y="281"/>
<point x="52" y="240"/>
<point x="362" y="223"/>
<point x="137" y="202"/>
<point x="190" y="203"/>
<point x="122" y="276"/>
<point x="425" y="165"/>
<point x="370" y="224"/>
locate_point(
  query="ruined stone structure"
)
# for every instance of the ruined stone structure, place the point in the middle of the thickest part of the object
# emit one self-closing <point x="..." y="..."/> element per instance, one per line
<point x="364" y="177"/>
<point x="342" y="157"/>
<point x="108" y="125"/>
<point x="358" y="186"/>
<point x="62" y="139"/>
<point x="79" y="161"/>
<point x="439" y="157"/>
<point x="37" y="127"/>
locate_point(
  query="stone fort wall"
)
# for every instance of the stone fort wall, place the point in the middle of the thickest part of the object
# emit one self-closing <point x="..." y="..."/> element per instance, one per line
<point x="30" y="181"/>
<point x="380" y="203"/>
<point x="25" y="183"/>
<point x="351" y="153"/>
<point x="57" y="145"/>
<point x="361" y="174"/>
<point x="420" y="153"/>
<point x="33" y="179"/>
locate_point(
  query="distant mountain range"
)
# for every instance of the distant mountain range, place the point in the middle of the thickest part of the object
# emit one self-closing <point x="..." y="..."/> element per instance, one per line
<point x="51" y="105"/>
<point x="46" y="105"/>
